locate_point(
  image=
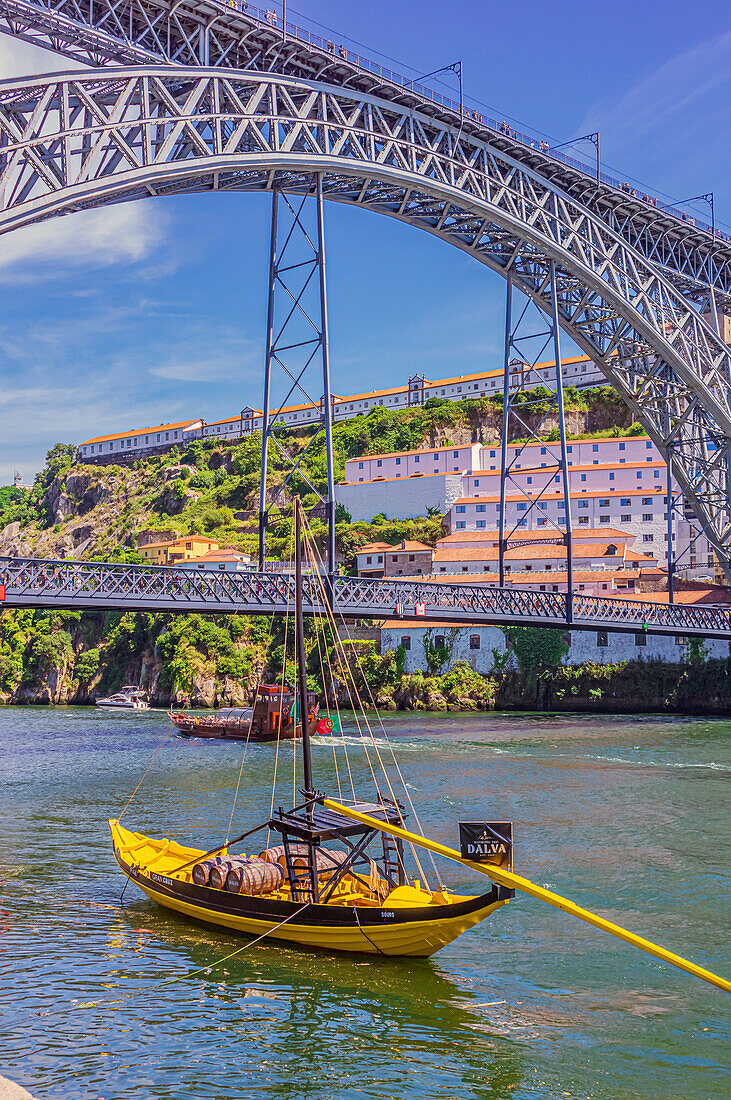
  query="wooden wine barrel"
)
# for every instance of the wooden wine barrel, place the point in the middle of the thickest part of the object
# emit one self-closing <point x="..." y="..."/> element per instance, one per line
<point x="255" y="877"/>
<point x="202" y="871"/>
<point x="327" y="858"/>
<point x="219" y="874"/>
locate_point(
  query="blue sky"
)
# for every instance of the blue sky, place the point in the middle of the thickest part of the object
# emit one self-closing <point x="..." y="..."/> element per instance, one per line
<point x="155" y="310"/>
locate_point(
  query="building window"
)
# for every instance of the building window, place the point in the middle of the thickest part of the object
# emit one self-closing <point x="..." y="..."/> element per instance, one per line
<point x="583" y="477"/>
<point x="639" y="475"/>
<point x="461" y="525"/>
<point x="625" y="502"/>
<point x="611" y="477"/>
<point x="461" y="509"/>
<point x="368" y="560"/>
<point x="648" y="445"/>
<point x="604" y="502"/>
<point x="394" y="558"/>
<point x="604" y="519"/>
<point x="583" y="504"/>
<point x="648" y="538"/>
<point x="477" y="484"/>
<point x="411" y="557"/>
<point x="640" y="640"/>
<point x="455" y="454"/>
<point x="474" y="641"/>
<point x="601" y="637"/>
<point x="627" y="518"/>
<point x="680" y="639"/>
<point x="647" y="500"/>
<point x="595" y="446"/>
<point x="622" y="446"/>
<point x="398" y="461"/>
<point x="439" y="641"/>
<point x="480" y="508"/>
<point x="582" y="519"/>
<point x="416" y="458"/>
<point x="360" y="465"/>
<point x="379" y="462"/>
<point x="481" y="523"/>
<point x="406" y="641"/>
<point x="647" y="517"/>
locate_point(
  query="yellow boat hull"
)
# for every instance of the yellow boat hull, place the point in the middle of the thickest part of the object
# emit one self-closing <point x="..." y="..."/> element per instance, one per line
<point x="408" y="922"/>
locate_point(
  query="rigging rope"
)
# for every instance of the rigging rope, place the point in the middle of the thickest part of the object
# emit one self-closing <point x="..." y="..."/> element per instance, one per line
<point x="349" y="671"/>
<point x="387" y="740"/>
<point x="134" y="792"/>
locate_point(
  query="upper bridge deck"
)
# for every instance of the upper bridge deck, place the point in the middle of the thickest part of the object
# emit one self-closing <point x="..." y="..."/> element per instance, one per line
<point x="236" y="35"/>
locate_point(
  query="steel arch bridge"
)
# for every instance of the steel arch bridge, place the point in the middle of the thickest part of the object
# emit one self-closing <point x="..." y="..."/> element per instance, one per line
<point x="80" y="140"/>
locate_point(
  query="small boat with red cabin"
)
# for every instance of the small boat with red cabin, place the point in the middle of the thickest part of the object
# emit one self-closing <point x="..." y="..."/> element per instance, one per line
<point x="271" y="718"/>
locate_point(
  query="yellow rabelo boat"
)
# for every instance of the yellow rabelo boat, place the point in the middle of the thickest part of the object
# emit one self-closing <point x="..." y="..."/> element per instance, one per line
<point x="332" y="882"/>
<point x="338" y="881"/>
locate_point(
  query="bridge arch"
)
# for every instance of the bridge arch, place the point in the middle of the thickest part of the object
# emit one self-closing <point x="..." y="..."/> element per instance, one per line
<point x="74" y="141"/>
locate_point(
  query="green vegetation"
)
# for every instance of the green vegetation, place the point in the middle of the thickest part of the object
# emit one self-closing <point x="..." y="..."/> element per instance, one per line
<point x="212" y="489"/>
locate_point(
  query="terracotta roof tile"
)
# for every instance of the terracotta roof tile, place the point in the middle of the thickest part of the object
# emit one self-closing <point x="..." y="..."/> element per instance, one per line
<point x="139" y="432"/>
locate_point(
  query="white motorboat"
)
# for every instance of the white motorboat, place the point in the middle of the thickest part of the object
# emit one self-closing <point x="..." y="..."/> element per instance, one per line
<point x="127" y="698"/>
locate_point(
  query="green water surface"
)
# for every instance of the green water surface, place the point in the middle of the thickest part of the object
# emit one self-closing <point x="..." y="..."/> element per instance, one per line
<point x="624" y="815"/>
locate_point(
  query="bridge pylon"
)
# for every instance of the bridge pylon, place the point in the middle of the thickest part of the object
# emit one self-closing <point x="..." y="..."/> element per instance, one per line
<point x="532" y="476"/>
<point x="297" y="362"/>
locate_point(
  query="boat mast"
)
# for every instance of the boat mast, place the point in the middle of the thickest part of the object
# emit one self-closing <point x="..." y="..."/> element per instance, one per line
<point x="300" y="647"/>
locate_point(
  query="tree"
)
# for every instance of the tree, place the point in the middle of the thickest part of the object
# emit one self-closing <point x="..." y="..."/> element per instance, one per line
<point x="60" y="457"/>
<point x="439" y="655"/>
<point x="86" y="665"/>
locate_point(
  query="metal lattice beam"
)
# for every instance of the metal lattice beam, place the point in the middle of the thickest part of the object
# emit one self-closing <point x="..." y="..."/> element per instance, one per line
<point x="87" y="586"/>
<point x="209" y="32"/>
<point x="76" y="141"/>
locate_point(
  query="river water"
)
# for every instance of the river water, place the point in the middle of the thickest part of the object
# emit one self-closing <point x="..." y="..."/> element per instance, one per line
<point x="623" y="815"/>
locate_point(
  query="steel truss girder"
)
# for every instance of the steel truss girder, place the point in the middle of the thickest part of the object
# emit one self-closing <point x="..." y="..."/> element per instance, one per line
<point x="204" y="32"/>
<point x="91" y="586"/>
<point x="79" y="140"/>
<point x="209" y="32"/>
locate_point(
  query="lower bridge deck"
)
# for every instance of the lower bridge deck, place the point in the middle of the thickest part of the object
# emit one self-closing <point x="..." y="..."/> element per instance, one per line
<point x="92" y="586"/>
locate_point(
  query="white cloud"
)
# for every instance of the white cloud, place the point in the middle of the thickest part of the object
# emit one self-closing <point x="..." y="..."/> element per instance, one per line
<point x="124" y="233"/>
<point x="653" y="107"/>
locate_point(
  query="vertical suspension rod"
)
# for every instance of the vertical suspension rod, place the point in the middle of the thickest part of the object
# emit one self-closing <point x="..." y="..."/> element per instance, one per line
<point x="268" y="381"/>
<point x="568" y="533"/>
<point x="327" y="398"/>
<point x="300" y="647"/>
<point x="504" y="441"/>
<point x="669" y="536"/>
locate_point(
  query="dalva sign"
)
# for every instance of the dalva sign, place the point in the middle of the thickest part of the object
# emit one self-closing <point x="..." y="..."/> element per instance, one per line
<point x="487" y="842"/>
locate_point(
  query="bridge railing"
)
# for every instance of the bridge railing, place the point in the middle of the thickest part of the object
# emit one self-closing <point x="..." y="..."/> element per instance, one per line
<point x="32" y="582"/>
<point x="271" y="17"/>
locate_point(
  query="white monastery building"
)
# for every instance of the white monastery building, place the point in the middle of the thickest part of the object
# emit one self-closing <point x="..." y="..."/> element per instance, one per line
<point x="578" y="371"/>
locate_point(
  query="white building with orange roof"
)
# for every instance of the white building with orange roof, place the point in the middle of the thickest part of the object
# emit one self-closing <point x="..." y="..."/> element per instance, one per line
<point x="223" y="561"/>
<point x="138" y="443"/>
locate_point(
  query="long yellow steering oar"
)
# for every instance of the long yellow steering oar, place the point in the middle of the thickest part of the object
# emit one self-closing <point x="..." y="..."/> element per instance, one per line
<point x="517" y="882"/>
